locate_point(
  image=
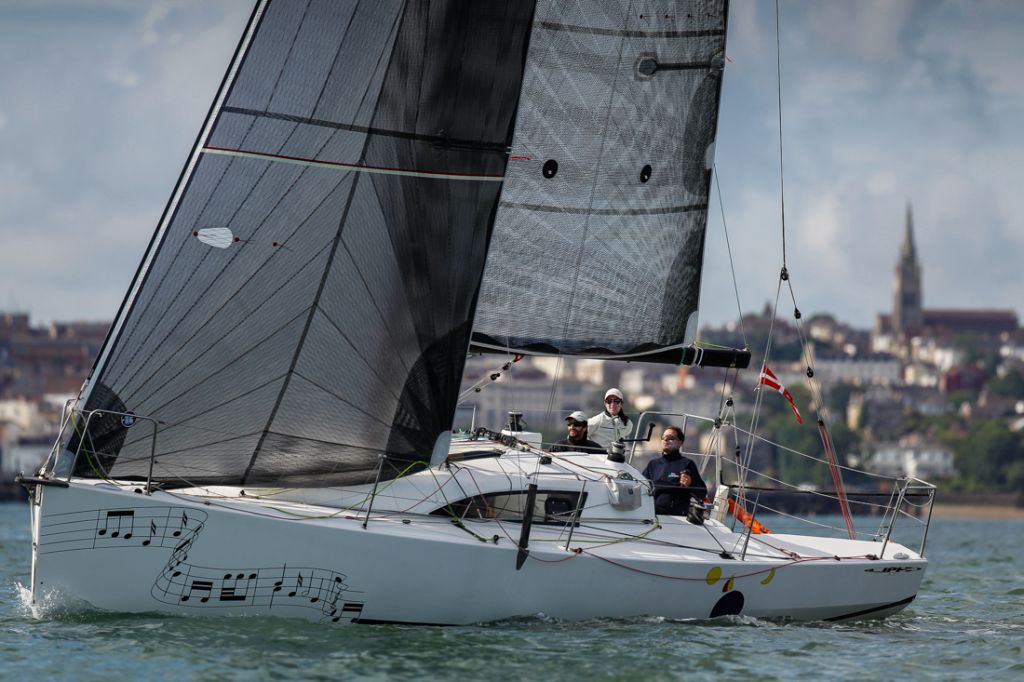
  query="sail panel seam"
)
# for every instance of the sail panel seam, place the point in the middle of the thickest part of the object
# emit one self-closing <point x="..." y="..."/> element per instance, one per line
<point x="331" y="393"/>
<point x="661" y="210"/>
<point x="396" y="28"/>
<point x="629" y="33"/>
<point x="244" y="284"/>
<point x="165" y="453"/>
<point x="458" y="143"/>
<point x="369" y="365"/>
<point x="228" y="365"/>
<point x="214" y="192"/>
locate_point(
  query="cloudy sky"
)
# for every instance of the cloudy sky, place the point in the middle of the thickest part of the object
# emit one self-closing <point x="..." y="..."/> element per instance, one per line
<point x="885" y="102"/>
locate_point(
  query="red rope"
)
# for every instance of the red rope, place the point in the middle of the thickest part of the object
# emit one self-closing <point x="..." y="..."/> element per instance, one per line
<point x="837" y="478"/>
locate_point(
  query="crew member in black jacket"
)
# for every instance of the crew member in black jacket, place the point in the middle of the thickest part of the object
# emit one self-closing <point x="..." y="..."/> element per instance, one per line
<point x="577" y="439"/>
<point x="675" y="476"/>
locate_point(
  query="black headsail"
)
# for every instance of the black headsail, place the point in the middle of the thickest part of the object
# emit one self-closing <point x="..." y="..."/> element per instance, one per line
<point x="307" y="300"/>
<point x="599" y="237"/>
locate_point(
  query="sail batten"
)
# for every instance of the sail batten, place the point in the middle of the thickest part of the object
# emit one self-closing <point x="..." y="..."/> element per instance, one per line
<point x="351" y="167"/>
<point x="654" y="210"/>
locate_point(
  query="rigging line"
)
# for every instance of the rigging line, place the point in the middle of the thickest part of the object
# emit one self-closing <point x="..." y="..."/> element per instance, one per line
<point x="817" y="459"/>
<point x="732" y="265"/>
<point x="725" y="390"/>
<point x="782" y="180"/>
<point x="821" y="411"/>
<point x="695" y="578"/>
<point x="790" y="489"/>
<point x="756" y="416"/>
<point x="817" y="394"/>
<point x="513" y="388"/>
<point x="559" y="365"/>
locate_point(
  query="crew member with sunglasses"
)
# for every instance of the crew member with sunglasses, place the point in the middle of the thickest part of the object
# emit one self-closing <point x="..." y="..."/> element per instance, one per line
<point x="675" y="476"/>
<point x="577" y="439"/>
<point x="612" y="424"/>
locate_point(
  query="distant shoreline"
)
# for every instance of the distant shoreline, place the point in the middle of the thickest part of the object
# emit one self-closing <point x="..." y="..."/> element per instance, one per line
<point x="15" y="493"/>
<point x="977" y="511"/>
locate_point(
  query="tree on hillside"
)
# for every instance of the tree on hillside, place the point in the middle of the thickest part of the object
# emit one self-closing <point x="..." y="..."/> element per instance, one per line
<point x="985" y="458"/>
<point x="1010" y="385"/>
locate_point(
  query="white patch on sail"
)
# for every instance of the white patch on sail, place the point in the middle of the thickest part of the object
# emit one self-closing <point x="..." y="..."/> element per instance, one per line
<point x="358" y="168"/>
<point x="217" y="237"/>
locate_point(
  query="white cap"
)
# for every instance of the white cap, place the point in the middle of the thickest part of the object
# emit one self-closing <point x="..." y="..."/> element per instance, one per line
<point x="576" y="416"/>
<point x="615" y="392"/>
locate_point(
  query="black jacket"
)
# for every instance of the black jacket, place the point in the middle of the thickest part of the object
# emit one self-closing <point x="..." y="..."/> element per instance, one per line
<point x="567" y="445"/>
<point x="669" y="497"/>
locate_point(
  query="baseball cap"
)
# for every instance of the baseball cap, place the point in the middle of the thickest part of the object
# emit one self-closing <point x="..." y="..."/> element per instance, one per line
<point x="615" y="392"/>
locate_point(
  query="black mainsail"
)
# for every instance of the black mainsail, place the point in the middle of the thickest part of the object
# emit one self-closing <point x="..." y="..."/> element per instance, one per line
<point x="306" y="303"/>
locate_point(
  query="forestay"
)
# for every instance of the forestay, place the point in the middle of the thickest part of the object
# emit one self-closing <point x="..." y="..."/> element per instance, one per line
<point x="599" y="236"/>
<point x="306" y="301"/>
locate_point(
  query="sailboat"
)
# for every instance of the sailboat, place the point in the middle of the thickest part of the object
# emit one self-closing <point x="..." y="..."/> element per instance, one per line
<point x="378" y="189"/>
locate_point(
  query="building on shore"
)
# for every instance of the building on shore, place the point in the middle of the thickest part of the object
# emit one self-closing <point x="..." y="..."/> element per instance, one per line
<point x="909" y="318"/>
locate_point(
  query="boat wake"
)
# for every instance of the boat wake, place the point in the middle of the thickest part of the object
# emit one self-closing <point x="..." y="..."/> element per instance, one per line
<point x="51" y="604"/>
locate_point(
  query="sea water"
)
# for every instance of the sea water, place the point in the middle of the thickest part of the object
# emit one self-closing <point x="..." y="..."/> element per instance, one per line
<point x="967" y="623"/>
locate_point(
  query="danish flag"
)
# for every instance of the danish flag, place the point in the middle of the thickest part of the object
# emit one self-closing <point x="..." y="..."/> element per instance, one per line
<point x="769" y="379"/>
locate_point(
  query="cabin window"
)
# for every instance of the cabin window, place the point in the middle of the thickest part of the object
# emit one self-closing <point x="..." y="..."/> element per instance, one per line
<point x="554" y="507"/>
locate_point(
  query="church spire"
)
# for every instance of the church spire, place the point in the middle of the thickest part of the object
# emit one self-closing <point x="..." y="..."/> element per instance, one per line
<point x="907" y="314"/>
<point x="907" y="250"/>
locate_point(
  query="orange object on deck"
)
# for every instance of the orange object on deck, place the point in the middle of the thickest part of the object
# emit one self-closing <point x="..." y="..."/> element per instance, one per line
<point x="746" y="519"/>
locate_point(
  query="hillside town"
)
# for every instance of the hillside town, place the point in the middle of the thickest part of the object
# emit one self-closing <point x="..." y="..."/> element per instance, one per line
<point x="932" y="393"/>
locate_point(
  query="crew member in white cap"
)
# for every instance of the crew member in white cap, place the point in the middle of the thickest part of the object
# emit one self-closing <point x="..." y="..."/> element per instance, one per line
<point x="612" y="424"/>
<point x="577" y="441"/>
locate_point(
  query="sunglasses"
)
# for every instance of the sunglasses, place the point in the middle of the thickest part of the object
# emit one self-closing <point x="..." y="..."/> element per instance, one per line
<point x="577" y="425"/>
<point x="613" y="401"/>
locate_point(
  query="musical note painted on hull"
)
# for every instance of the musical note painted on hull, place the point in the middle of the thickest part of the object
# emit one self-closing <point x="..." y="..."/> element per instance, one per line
<point x="150" y="527"/>
<point x="188" y="585"/>
<point x="184" y="583"/>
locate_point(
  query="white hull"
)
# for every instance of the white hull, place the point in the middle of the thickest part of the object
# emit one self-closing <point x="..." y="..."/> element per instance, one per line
<point x="121" y="550"/>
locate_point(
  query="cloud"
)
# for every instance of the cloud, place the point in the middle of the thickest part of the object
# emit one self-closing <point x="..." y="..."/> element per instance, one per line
<point x="884" y="102"/>
<point x="102" y="102"/>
